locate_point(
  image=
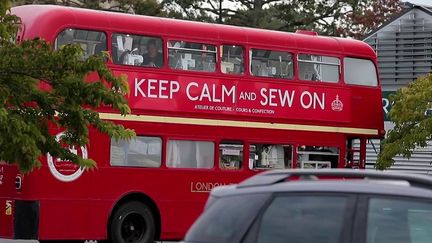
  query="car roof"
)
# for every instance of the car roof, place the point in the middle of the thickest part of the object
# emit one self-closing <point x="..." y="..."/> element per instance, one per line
<point x="336" y="181"/>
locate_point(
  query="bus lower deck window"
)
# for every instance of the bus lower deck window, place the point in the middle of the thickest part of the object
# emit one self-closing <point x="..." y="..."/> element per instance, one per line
<point x="317" y="157"/>
<point x="270" y="156"/>
<point x="190" y="154"/>
<point x="230" y="155"/>
<point x="139" y="152"/>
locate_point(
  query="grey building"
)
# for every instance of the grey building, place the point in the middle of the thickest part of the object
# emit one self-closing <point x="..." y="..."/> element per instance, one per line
<point x="404" y="46"/>
<point x="404" y="49"/>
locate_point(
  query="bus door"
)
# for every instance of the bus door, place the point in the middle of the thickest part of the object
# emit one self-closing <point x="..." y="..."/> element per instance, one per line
<point x="356" y="153"/>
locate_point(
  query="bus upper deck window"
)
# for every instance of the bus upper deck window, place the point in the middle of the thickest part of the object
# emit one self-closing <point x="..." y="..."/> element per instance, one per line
<point x="318" y="68"/>
<point x="360" y="71"/>
<point x="192" y="56"/>
<point x="92" y="42"/>
<point x="266" y="63"/>
<point x="137" y="50"/>
<point x="232" y="59"/>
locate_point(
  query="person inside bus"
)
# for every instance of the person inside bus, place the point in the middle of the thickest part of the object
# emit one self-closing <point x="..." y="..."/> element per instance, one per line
<point x="205" y="61"/>
<point x="153" y="58"/>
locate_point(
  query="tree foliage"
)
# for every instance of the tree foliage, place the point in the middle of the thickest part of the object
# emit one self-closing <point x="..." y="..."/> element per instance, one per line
<point x="352" y="18"/>
<point x="412" y="120"/>
<point x="42" y="88"/>
<point x="367" y="16"/>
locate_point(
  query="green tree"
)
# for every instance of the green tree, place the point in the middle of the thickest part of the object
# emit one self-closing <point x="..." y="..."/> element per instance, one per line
<point x="413" y="122"/>
<point x="353" y="18"/>
<point x="41" y="88"/>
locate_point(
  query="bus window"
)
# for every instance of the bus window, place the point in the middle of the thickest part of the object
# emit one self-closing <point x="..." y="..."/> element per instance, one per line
<point x="230" y="155"/>
<point x="192" y="56"/>
<point x="190" y="154"/>
<point x="317" y="157"/>
<point x="232" y="59"/>
<point x="355" y="69"/>
<point x="140" y="151"/>
<point x="92" y="42"/>
<point x="270" y="156"/>
<point x="318" y="68"/>
<point x="137" y="50"/>
<point x="265" y="63"/>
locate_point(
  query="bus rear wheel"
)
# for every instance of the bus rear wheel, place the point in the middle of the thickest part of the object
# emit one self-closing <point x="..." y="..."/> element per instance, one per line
<point x="132" y="223"/>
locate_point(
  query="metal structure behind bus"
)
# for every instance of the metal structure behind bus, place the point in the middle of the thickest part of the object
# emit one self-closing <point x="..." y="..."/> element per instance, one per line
<point x="211" y="105"/>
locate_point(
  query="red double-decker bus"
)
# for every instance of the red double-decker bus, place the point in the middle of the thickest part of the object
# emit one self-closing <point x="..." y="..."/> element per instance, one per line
<point x="211" y="105"/>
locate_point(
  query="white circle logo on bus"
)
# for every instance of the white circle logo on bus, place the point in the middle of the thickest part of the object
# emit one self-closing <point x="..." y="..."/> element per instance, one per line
<point x="66" y="171"/>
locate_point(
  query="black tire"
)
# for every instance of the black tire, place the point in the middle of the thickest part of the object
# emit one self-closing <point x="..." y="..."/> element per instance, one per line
<point x="132" y="222"/>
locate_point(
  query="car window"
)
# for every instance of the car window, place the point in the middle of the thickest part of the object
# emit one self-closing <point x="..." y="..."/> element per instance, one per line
<point x="227" y="219"/>
<point x="303" y="219"/>
<point x="399" y="221"/>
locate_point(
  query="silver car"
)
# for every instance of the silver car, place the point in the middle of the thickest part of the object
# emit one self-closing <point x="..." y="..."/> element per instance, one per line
<point x="319" y="206"/>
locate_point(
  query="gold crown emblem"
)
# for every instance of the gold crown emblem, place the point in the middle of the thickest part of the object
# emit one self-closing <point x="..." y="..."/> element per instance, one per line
<point x="337" y="105"/>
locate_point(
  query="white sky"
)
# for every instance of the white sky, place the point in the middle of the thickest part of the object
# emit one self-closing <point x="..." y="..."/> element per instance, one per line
<point x="424" y="2"/>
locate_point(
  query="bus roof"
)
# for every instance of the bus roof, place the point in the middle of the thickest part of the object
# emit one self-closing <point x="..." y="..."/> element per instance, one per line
<point x="48" y="20"/>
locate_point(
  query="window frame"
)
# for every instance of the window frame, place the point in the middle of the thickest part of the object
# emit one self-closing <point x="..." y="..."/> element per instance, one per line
<point x="359" y="84"/>
<point x="248" y="157"/>
<point x="339" y="65"/>
<point x="347" y="229"/>
<point x="248" y="55"/>
<point x="111" y="49"/>
<point x="215" y="52"/>
<point x="208" y="217"/>
<point x="106" y="33"/>
<point x="360" y="224"/>
<point x="161" y="164"/>
<point x="218" y="154"/>
<point x="210" y="140"/>
<point x="221" y="45"/>
<point x="297" y="152"/>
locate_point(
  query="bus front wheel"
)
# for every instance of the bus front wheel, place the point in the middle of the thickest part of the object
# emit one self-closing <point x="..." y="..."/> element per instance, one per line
<point x="132" y="223"/>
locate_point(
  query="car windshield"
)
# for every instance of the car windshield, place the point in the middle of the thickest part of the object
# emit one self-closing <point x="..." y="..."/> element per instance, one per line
<point x="226" y="219"/>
